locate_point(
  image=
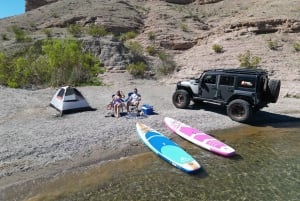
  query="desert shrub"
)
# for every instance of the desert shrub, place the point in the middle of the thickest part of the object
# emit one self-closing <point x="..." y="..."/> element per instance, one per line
<point x="217" y="48"/>
<point x="51" y="63"/>
<point x="248" y="61"/>
<point x="273" y="45"/>
<point x="151" y="50"/>
<point x="151" y="36"/>
<point x="3" y="68"/>
<point x="137" y="69"/>
<point x="20" y="34"/>
<point x="168" y="64"/>
<point x="183" y="27"/>
<point x="296" y="47"/>
<point x="135" y="48"/>
<point x="47" y="32"/>
<point x="75" y="29"/>
<point x="97" y="31"/>
<point x="127" y="36"/>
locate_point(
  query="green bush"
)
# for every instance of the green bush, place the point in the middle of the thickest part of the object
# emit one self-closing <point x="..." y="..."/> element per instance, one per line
<point x="48" y="32"/>
<point x="151" y="50"/>
<point x="297" y="47"/>
<point x="75" y="29"/>
<point x="97" y="31"/>
<point x="135" y="48"/>
<point x="137" y="69"/>
<point x="20" y="34"/>
<point x="127" y="36"/>
<point x="273" y="45"/>
<point x="248" y="61"/>
<point x="217" y="48"/>
<point x="183" y="27"/>
<point x="51" y="63"/>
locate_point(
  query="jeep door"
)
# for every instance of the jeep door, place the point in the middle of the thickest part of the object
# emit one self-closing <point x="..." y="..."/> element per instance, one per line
<point x="226" y="87"/>
<point x="209" y="86"/>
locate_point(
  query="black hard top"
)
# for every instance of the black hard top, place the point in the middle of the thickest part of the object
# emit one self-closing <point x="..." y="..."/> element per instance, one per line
<point x="239" y="71"/>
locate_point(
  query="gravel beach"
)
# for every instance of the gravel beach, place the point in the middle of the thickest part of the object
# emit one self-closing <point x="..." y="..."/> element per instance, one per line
<point x="35" y="142"/>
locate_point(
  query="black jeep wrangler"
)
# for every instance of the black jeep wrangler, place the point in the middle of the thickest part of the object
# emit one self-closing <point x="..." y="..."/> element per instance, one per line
<point x="242" y="91"/>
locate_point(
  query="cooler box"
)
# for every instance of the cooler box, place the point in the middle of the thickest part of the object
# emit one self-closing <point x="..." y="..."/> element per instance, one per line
<point x="147" y="109"/>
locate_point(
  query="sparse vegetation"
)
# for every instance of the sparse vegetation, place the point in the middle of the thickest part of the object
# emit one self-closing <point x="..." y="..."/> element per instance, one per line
<point x="151" y="50"/>
<point x="184" y="27"/>
<point x="168" y="64"/>
<point x="135" y="48"/>
<point x="296" y="47"/>
<point x="97" y="31"/>
<point x="137" y="69"/>
<point x="20" y="34"/>
<point x="51" y="63"/>
<point x="127" y="36"/>
<point x="75" y="29"/>
<point x="248" y="61"/>
<point x="48" y="32"/>
<point x="151" y="36"/>
<point x="217" y="48"/>
<point x="273" y="45"/>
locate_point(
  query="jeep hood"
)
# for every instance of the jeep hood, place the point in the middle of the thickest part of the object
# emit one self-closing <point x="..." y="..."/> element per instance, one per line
<point x="186" y="83"/>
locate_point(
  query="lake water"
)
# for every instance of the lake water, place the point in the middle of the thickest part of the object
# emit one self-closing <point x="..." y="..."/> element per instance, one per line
<point x="266" y="167"/>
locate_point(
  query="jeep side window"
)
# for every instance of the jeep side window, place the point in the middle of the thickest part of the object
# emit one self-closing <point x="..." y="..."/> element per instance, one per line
<point x="246" y="82"/>
<point x="209" y="79"/>
<point x="227" y="80"/>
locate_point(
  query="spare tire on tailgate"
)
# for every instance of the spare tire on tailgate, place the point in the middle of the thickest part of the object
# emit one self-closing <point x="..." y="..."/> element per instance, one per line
<point x="273" y="90"/>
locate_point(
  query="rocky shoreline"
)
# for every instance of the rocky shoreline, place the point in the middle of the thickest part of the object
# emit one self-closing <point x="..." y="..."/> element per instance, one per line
<point x="35" y="142"/>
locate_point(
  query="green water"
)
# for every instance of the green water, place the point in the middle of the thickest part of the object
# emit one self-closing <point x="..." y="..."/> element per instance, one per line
<point x="266" y="167"/>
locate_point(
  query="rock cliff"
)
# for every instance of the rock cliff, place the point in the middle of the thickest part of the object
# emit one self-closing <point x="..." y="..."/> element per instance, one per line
<point x="33" y="4"/>
<point x="186" y="29"/>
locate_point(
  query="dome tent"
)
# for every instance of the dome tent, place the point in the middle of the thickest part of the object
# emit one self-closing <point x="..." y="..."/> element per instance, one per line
<point x="69" y="100"/>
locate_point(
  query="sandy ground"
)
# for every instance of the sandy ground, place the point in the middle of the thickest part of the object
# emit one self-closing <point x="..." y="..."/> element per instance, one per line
<point x="35" y="142"/>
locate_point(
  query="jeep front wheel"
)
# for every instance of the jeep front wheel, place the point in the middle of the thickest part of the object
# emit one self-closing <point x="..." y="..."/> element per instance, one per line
<point x="239" y="110"/>
<point x="181" y="99"/>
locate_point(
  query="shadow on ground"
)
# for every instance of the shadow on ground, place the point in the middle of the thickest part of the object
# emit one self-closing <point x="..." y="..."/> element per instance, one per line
<point x="261" y="118"/>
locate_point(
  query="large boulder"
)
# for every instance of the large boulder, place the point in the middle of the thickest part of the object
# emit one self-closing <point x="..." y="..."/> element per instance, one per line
<point x="112" y="53"/>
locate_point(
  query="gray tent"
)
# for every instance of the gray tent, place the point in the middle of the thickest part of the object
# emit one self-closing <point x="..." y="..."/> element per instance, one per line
<point x="68" y="100"/>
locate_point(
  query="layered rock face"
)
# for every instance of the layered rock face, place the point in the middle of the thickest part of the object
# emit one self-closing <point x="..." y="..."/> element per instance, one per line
<point x="33" y="4"/>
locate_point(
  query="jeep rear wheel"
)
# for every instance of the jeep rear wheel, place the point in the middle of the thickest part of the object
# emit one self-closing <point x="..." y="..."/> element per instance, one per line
<point x="181" y="99"/>
<point x="239" y="110"/>
<point x="273" y="90"/>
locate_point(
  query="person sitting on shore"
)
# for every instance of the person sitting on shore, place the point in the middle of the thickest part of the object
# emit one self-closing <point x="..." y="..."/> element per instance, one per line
<point x="133" y="100"/>
<point x="117" y="101"/>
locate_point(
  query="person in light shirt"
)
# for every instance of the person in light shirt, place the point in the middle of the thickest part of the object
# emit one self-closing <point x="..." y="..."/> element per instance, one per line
<point x="134" y="99"/>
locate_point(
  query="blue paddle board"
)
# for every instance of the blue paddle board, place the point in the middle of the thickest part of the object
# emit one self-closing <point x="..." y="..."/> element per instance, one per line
<point x="167" y="149"/>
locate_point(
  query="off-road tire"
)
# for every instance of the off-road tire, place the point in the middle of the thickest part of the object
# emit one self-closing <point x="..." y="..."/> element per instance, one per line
<point x="273" y="90"/>
<point x="239" y="110"/>
<point x="181" y="99"/>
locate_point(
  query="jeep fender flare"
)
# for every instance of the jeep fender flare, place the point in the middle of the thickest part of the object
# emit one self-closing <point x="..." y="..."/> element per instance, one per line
<point x="245" y="98"/>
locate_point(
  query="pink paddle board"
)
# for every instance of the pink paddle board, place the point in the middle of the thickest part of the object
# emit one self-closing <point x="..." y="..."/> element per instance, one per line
<point x="198" y="137"/>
